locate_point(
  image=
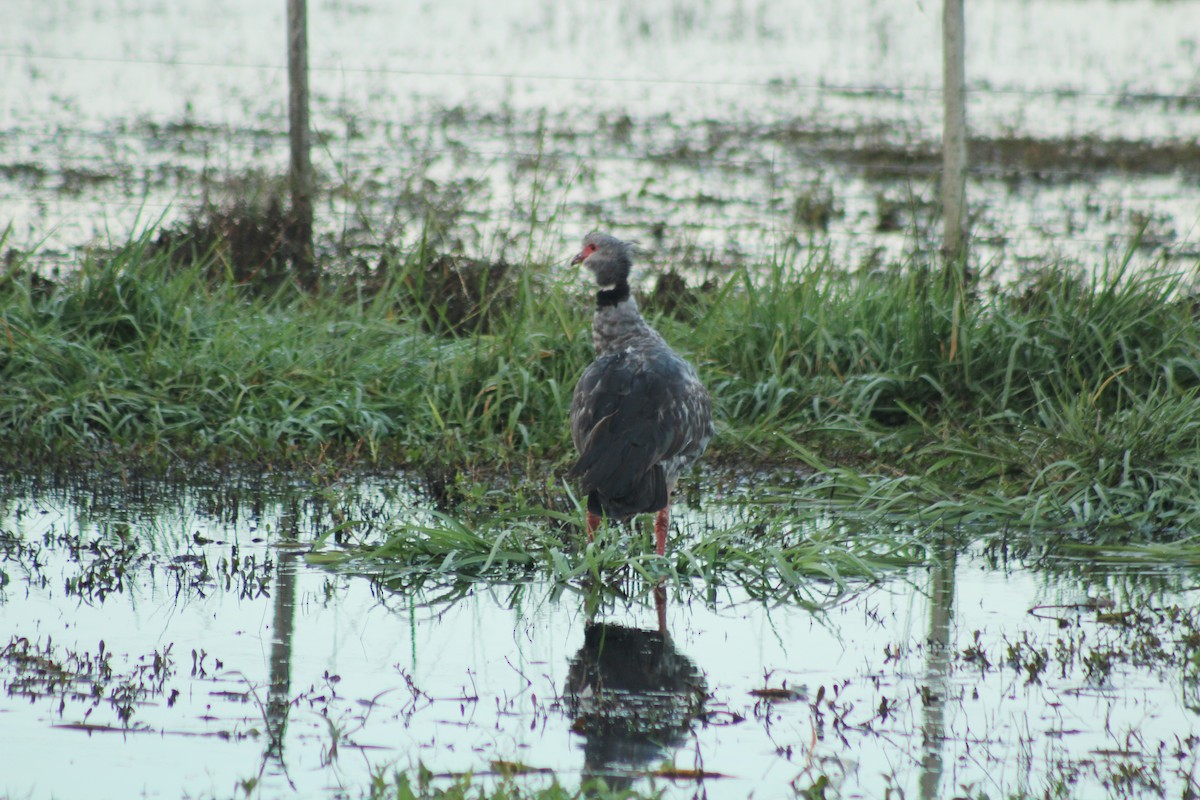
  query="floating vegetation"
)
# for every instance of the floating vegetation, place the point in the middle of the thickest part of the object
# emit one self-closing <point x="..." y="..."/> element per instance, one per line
<point x="43" y="671"/>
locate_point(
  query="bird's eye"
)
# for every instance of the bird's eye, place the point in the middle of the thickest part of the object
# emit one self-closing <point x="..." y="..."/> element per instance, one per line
<point x="591" y="248"/>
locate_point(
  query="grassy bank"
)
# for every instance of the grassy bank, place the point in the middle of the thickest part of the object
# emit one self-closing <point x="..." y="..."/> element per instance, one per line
<point x="1067" y="401"/>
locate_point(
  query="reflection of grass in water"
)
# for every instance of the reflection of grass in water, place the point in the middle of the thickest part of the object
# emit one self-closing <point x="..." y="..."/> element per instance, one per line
<point x="506" y="781"/>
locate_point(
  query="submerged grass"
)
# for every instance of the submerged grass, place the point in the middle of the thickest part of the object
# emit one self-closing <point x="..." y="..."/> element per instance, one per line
<point x="1065" y="404"/>
<point x="768" y="553"/>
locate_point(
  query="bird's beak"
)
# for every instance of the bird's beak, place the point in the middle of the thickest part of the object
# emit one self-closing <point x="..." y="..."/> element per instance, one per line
<point x="578" y="259"/>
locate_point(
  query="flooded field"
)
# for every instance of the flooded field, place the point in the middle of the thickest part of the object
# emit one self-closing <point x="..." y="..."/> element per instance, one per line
<point x="720" y="132"/>
<point x="226" y="637"/>
<point x="172" y="641"/>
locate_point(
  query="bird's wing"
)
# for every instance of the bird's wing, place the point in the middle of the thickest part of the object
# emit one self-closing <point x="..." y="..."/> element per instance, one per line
<point x="632" y="411"/>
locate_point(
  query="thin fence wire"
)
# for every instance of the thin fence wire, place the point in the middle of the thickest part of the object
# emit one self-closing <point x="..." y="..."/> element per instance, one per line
<point x="869" y="90"/>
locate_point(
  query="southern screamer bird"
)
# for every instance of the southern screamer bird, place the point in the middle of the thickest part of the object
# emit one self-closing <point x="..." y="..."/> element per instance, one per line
<point x="640" y="415"/>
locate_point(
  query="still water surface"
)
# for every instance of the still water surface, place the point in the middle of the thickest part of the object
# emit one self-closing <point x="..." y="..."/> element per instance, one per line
<point x="308" y="681"/>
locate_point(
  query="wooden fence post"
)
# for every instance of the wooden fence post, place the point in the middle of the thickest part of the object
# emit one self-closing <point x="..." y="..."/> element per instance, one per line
<point x="301" y="175"/>
<point x="954" y="130"/>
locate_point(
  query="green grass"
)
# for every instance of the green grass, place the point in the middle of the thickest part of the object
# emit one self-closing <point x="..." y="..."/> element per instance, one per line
<point x="772" y="553"/>
<point x="1064" y="404"/>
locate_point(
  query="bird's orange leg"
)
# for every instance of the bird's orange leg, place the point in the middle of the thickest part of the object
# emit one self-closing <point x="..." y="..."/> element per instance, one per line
<point x="593" y="522"/>
<point x="660" y="603"/>
<point x="661" y="521"/>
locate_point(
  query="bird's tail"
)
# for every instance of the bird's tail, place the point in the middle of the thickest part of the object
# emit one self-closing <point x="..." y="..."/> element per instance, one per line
<point x="627" y="498"/>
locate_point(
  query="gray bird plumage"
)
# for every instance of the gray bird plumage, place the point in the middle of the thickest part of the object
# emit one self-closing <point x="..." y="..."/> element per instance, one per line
<point x="640" y="415"/>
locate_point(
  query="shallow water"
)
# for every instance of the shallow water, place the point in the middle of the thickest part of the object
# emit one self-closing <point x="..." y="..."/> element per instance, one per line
<point x="307" y="681"/>
<point x="728" y="131"/>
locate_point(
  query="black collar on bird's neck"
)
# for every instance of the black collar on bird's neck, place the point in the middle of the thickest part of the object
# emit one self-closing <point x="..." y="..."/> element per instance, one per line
<point x="611" y="296"/>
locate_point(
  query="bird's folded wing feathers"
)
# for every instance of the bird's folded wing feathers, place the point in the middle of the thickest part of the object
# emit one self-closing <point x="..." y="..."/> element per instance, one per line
<point x="631" y="412"/>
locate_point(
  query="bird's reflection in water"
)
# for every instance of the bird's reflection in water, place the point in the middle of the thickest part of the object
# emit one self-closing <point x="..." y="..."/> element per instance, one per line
<point x="632" y="696"/>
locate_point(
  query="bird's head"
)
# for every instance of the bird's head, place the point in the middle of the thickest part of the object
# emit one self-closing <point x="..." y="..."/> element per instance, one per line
<point x="609" y="259"/>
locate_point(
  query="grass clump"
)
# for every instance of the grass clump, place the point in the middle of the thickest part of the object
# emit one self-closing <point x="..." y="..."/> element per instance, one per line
<point x="252" y="240"/>
<point x="141" y="357"/>
<point x="771" y="552"/>
<point x="1065" y="403"/>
